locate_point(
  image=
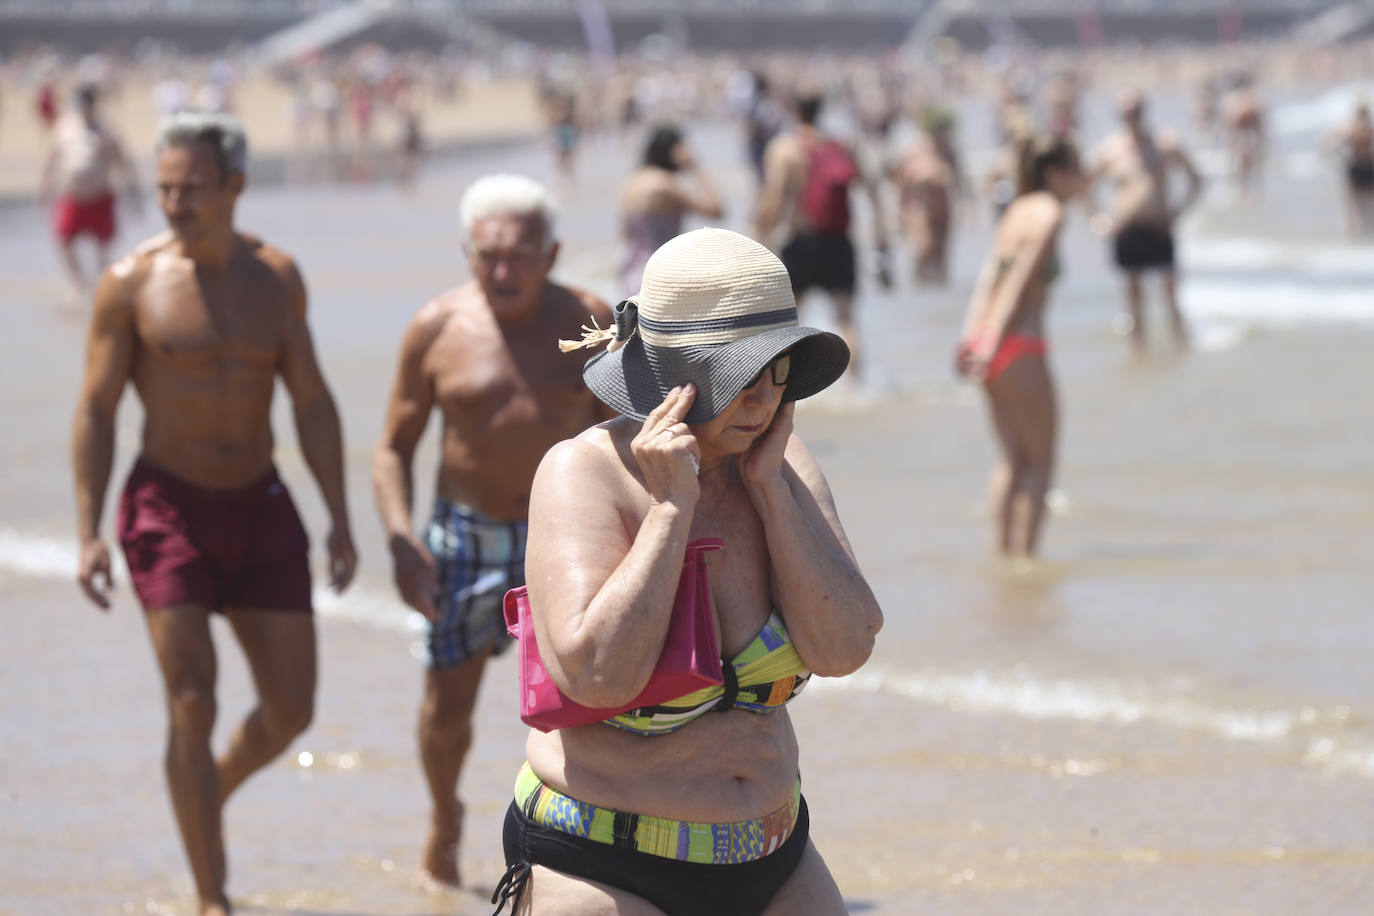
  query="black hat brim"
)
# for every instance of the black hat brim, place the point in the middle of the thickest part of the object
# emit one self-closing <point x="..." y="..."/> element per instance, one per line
<point x="636" y="378"/>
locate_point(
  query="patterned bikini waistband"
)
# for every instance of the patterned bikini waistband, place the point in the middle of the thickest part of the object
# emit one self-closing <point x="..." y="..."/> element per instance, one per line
<point x="686" y="841"/>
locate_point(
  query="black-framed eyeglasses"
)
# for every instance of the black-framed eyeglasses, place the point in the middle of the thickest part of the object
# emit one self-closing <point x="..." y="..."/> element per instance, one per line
<point x="781" y="368"/>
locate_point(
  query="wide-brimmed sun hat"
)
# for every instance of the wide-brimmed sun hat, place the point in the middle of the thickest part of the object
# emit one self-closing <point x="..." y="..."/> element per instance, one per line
<point x="714" y="308"/>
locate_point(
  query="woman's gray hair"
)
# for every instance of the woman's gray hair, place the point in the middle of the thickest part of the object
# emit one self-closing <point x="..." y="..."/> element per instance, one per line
<point x="505" y="194"/>
<point x="223" y="132"/>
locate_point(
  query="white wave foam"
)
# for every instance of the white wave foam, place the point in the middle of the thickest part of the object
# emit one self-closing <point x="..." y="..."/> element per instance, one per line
<point x="1108" y="701"/>
<point x="1330" y="109"/>
<point x="1326" y="260"/>
<point x="1236" y="286"/>
<point x="1088" y="701"/>
<point x="41" y="557"/>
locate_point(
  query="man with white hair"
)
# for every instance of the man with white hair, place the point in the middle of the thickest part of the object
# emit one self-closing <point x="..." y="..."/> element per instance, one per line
<point x="203" y="319"/>
<point x="485" y="353"/>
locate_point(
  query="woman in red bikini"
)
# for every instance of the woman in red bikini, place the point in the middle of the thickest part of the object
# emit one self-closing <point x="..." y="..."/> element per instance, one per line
<point x="1003" y="344"/>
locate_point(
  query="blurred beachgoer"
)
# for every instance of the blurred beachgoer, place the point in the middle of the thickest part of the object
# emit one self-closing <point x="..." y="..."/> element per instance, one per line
<point x="1244" y="116"/>
<point x="328" y="102"/>
<point x="999" y="182"/>
<point x="1355" y="141"/>
<point x="1137" y="162"/>
<point x="925" y="204"/>
<point x="693" y="806"/>
<point x="763" y="119"/>
<point x="654" y="200"/>
<point x="482" y="354"/>
<point x="78" y="178"/>
<point x="203" y="319"/>
<point x="929" y="180"/>
<point x="807" y="179"/>
<point x="412" y="139"/>
<point x="361" y="105"/>
<point x="1206" y="106"/>
<point x="1003" y="342"/>
<point x="560" y="108"/>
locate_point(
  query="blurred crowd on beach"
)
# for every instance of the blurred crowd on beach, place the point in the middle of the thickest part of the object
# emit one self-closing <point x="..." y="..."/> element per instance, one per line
<point x="328" y="112"/>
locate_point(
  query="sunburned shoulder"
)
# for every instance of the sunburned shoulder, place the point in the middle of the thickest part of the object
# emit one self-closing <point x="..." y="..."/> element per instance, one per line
<point x="589" y="454"/>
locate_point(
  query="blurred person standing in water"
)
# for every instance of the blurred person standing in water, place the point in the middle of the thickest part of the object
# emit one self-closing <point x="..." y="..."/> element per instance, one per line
<point x="1003" y="344"/>
<point x="654" y="200"/>
<point x="1137" y="162"/>
<point x="203" y="320"/>
<point x="1243" y="112"/>
<point x="1355" y="143"/>
<point x="807" y="180"/>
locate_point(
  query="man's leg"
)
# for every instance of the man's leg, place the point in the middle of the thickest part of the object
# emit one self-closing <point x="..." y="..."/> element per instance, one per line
<point x="445" y="736"/>
<point x="1169" y="279"/>
<point x="67" y="247"/>
<point x="280" y="648"/>
<point x="1135" y="305"/>
<point x="186" y="656"/>
<point x="844" y="318"/>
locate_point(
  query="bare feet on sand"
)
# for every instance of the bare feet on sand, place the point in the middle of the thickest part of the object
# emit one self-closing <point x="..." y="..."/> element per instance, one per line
<point x="439" y="861"/>
<point x="213" y="908"/>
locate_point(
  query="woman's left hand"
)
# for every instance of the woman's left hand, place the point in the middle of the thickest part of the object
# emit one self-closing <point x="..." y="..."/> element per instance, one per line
<point x="762" y="464"/>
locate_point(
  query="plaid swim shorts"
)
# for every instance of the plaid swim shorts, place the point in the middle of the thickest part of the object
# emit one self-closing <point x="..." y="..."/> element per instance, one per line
<point x="477" y="561"/>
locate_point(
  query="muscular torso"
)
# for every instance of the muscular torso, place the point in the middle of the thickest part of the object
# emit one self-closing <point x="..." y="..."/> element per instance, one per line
<point x="208" y="350"/>
<point x="723" y="766"/>
<point x="1136" y="169"/>
<point x="506" y="395"/>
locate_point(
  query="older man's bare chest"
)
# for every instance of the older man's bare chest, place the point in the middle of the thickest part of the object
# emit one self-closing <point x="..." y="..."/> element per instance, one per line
<point x="488" y="380"/>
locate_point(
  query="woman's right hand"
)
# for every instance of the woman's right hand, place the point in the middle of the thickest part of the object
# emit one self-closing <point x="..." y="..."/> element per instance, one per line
<point x="668" y="454"/>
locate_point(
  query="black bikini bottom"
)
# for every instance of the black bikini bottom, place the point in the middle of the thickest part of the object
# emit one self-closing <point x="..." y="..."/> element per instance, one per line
<point x="678" y="888"/>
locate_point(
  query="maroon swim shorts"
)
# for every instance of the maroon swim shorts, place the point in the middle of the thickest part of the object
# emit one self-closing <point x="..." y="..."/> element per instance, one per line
<point x="225" y="549"/>
<point x="71" y="217"/>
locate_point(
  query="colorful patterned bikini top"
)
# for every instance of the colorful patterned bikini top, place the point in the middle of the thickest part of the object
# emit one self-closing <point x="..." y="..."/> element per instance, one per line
<point x="762" y="678"/>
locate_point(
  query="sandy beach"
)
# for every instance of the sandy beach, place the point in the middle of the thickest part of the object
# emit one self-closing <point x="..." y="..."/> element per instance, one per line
<point x="1169" y="713"/>
<point x="482" y="112"/>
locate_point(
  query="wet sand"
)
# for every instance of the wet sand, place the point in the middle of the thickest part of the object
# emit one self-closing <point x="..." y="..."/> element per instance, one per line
<point x="1170" y="712"/>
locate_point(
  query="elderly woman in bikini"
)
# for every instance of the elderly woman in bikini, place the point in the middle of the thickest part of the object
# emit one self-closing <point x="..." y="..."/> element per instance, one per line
<point x="1003" y="343"/>
<point x="687" y="808"/>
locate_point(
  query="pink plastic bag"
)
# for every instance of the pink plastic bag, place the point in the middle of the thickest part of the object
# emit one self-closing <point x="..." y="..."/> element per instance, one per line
<point x="689" y="662"/>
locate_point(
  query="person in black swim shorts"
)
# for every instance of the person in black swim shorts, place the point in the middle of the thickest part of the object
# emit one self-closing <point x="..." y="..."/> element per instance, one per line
<point x="1137" y="162"/>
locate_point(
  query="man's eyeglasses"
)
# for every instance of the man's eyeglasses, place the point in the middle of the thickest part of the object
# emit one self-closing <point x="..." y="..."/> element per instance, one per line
<point x="781" y="368"/>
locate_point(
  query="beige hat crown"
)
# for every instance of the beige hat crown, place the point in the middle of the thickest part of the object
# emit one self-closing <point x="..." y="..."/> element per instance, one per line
<point x="703" y="288"/>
